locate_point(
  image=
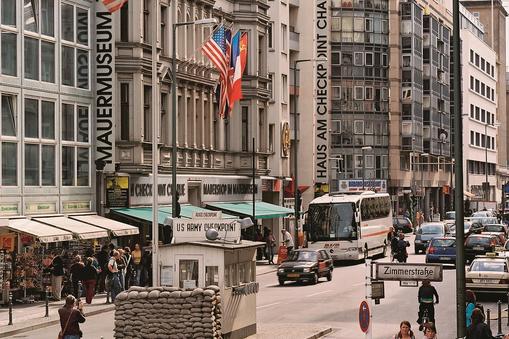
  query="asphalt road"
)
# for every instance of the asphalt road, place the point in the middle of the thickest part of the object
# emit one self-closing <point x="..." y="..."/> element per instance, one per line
<point x="329" y="304"/>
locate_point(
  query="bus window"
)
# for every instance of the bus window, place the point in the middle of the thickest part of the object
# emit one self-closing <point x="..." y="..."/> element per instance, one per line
<point x="342" y="221"/>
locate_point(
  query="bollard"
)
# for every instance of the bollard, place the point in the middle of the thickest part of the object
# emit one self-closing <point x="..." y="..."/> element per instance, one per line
<point x="10" y="308"/>
<point x="488" y="318"/>
<point x="47" y="302"/>
<point x="499" y="322"/>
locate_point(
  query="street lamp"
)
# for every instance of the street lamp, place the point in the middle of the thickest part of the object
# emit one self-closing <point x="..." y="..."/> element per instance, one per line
<point x="295" y="156"/>
<point x="365" y="148"/>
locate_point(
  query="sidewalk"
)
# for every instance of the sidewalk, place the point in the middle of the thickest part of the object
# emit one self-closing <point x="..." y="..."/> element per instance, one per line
<point x="290" y="331"/>
<point x="28" y="317"/>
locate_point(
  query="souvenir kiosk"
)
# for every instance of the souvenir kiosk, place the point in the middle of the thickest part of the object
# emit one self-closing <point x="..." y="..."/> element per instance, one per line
<point x="207" y="252"/>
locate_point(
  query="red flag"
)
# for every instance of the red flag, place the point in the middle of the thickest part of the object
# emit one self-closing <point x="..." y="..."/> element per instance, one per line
<point x="239" y="59"/>
<point x="113" y="5"/>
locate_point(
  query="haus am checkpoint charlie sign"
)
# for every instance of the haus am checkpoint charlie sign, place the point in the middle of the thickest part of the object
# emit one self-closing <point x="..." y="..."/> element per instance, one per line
<point x="409" y="272"/>
<point x="189" y="230"/>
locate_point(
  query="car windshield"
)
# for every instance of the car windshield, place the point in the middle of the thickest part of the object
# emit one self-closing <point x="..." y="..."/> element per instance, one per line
<point x="332" y="222"/>
<point x="484" y="220"/>
<point x="450" y="215"/>
<point x="494" y="228"/>
<point x="303" y="256"/>
<point x="443" y="243"/>
<point x="403" y="220"/>
<point x="488" y="266"/>
<point x="472" y="241"/>
<point x="431" y="229"/>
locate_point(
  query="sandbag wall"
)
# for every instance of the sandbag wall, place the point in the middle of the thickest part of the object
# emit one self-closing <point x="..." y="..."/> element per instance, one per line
<point x="168" y="312"/>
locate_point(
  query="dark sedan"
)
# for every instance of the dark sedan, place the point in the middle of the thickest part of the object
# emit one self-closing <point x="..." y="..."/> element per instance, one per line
<point x="480" y="244"/>
<point x="442" y="250"/>
<point x="402" y="224"/>
<point x="306" y="265"/>
<point x="427" y="232"/>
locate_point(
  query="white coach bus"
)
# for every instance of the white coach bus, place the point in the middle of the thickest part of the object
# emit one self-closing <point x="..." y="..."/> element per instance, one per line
<point x="350" y="226"/>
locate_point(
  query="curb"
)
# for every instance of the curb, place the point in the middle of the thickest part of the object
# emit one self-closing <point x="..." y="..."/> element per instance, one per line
<point x="271" y="271"/>
<point x="321" y="333"/>
<point x="50" y="323"/>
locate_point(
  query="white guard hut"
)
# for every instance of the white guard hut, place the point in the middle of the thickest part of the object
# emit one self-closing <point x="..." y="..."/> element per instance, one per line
<point x="197" y="258"/>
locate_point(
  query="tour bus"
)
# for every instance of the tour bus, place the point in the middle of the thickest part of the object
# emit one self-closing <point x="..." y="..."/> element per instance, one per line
<point x="350" y="226"/>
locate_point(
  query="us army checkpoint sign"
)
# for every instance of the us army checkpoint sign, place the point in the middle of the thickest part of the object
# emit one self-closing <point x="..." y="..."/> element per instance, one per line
<point x="409" y="272"/>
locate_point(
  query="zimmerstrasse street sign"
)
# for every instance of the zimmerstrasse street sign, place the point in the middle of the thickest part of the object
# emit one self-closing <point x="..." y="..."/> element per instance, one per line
<point x="409" y="272"/>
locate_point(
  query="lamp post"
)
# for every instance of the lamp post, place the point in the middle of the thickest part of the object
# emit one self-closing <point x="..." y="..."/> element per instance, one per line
<point x="365" y="148"/>
<point x="295" y="153"/>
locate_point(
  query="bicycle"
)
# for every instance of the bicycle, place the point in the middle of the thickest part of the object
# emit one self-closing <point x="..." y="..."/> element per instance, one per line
<point x="425" y="317"/>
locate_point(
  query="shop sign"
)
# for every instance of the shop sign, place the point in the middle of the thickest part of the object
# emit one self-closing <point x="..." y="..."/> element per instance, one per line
<point x="207" y="215"/>
<point x="40" y="208"/>
<point x="76" y="206"/>
<point x="7" y="242"/>
<point x="26" y="239"/>
<point x="190" y="230"/>
<point x="409" y="272"/>
<point x="375" y="185"/>
<point x="285" y="139"/>
<point x="117" y="191"/>
<point x="9" y="209"/>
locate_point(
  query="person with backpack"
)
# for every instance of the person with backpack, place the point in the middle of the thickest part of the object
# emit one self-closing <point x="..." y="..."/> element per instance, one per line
<point x="76" y="275"/>
<point x="401" y="252"/>
<point x="471" y="302"/>
<point x="70" y="319"/>
<point x="89" y="276"/>
<point x="478" y="329"/>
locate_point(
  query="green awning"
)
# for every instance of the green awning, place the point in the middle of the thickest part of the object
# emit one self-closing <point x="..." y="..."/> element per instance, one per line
<point x="186" y="211"/>
<point x="263" y="210"/>
<point x="145" y="213"/>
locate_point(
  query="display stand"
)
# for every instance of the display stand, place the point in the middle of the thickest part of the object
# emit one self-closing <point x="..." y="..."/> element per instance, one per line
<point x="5" y="275"/>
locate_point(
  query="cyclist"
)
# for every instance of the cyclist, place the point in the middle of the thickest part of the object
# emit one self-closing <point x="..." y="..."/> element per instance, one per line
<point x="426" y="302"/>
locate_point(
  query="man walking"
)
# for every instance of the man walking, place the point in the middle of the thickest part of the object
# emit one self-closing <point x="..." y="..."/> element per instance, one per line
<point x="287" y="240"/>
<point x="70" y="318"/>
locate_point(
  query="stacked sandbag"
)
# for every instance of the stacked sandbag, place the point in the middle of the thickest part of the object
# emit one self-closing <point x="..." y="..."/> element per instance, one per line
<point x="168" y="312"/>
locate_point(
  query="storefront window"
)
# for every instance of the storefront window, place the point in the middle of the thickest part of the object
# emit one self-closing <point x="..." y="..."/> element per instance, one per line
<point x="188" y="272"/>
<point x="9" y="55"/>
<point x="211" y="275"/>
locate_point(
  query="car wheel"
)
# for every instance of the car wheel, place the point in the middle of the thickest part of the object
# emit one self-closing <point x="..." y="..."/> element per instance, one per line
<point x="281" y="281"/>
<point x="315" y="279"/>
<point x="329" y="276"/>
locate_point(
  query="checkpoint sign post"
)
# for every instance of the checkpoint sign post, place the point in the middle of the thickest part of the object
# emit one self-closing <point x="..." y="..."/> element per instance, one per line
<point x="409" y="272"/>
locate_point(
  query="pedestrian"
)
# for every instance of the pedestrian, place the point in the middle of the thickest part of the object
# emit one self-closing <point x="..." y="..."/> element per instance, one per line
<point x="405" y="331"/>
<point x="137" y="268"/>
<point x="102" y="260"/>
<point x="89" y="279"/>
<point x="121" y="265"/>
<point x="478" y="329"/>
<point x="147" y="267"/>
<point x="111" y="248"/>
<point x="70" y="319"/>
<point x="128" y="267"/>
<point x="470" y="300"/>
<point x="392" y="239"/>
<point x="427" y="297"/>
<point x="76" y="275"/>
<point x="430" y="331"/>
<point x="270" y="247"/>
<point x="113" y="275"/>
<point x="259" y="238"/>
<point x="402" y="254"/>
<point x="287" y="240"/>
<point x="57" y="272"/>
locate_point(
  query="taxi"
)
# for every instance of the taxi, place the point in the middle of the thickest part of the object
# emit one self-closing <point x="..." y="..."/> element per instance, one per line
<point x="488" y="274"/>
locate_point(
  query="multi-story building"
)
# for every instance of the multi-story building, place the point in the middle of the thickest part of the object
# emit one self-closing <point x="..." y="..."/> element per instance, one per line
<point x="47" y="125"/>
<point x="492" y="15"/>
<point x="480" y="125"/>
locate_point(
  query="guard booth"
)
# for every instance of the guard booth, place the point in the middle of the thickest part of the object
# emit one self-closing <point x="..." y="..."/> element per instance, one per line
<point x="207" y="252"/>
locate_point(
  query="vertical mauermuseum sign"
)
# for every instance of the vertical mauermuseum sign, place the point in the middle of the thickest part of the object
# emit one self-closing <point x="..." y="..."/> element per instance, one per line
<point x="321" y="90"/>
<point x="105" y="72"/>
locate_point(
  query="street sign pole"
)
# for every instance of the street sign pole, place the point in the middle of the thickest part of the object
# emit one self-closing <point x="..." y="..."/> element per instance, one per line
<point x="369" y="332"/>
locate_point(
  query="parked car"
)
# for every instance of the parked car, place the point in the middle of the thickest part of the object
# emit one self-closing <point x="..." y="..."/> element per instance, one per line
<point x="306" y="265"/>
<point x="402" y="224"/>
<point x="441" y="250"/>
<point x="426" y="232"/>
<point x="483" y="220"/>
<point x="488" y="274"/>
<point x="484" y="214"/>
<point x="496" y="229"/>
<point x="449" y="217"/>
<point x="480" y="244"/>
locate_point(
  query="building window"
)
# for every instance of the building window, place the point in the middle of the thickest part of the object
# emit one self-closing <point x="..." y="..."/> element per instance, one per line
<point x="272" y="131"/>
<point x="369" y="59"/>
<point x="124" y="22"/>
<point x="284" y="88"/>
<point x="359" y="93"/>
<point x="31" y="59"/>
<point x="9" y="53"/>
<point x="124" y="111"/>
<point x="146" y="21"/>
<point x="368" y="93"/>
<point x="8" y="10"/>
<point x="270" y="85"/>
<point x="270" y="34"/>
<point x="75" y="46"/>
<point x="284" y="38"/>
<point x="162" y="41"/>
<point x="211" y="275"/>
<point x="9" y="168"/>
<point x="245" y="128"/>
<point x="147" y="113"/>
<point x="8" y="141"/>
<point x="75" y="145"/>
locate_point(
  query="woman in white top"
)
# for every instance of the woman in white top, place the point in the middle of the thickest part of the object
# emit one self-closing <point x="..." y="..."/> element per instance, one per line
<point x="113" y="275"/>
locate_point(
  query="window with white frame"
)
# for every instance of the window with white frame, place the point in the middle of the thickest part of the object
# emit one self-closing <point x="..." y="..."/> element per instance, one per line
<point x="284" y="38"/>
<point x="359" y="93"/>
<point x="368" y="93"/>
<point x="40" y="142"/>
<point x="270" y="34"/>
<point x="75" y="51"/>
<point x="358" y="59"/>
<point x="270" y="85"/>
<point x="284" y="88"/>
<point x="75" y="130"/>
<point x="359" y="127"/>
<point x="9" y="140"/>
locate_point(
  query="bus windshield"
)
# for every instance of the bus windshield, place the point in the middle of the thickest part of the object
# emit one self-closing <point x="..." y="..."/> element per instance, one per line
<point x="332" y="222"/>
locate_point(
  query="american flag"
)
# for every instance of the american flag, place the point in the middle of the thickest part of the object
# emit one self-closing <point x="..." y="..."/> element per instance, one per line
<point x="217" y="49"/>
<point x="113" y="5"/>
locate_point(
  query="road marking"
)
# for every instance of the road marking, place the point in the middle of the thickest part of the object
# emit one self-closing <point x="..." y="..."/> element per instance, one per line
<point x="312" y="295"/>
<point x="268" y="305"/>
